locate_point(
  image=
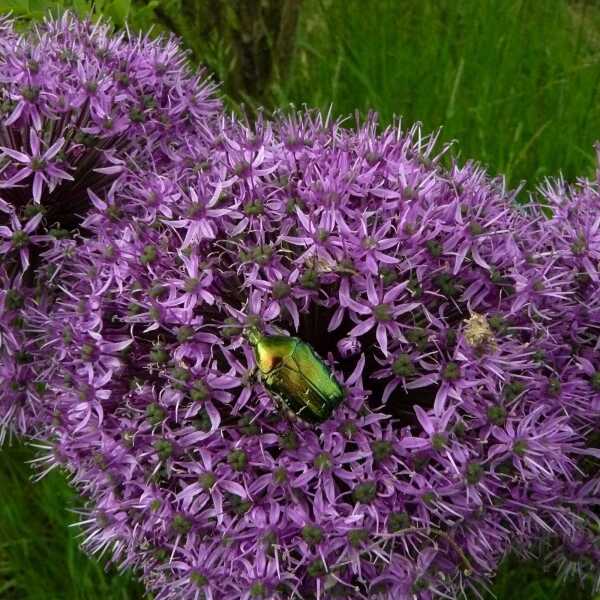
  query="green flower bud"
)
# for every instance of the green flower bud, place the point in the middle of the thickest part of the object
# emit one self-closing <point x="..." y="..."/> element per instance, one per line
<point x="474" y="473"/>
<point x="237" y="459"/>
<point x="181" y="525"/>
<point x="357" y="537"/>
<point x="398" y="521"/>
<point x="312" y="534"/>
<point x="365" y="492"/>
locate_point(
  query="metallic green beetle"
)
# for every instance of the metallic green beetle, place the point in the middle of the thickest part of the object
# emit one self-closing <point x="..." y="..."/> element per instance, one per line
<point x="295" y="375"/>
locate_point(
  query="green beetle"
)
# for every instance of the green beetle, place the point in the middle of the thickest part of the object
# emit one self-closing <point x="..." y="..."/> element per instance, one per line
<point x="295" y="375"/>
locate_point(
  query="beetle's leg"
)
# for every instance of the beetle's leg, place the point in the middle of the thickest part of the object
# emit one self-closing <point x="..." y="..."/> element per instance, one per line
<point x="281" y="405"/>
<point x="298" y="416"/>
<point x="289" y="413"/>
<point x="254" y="374"/>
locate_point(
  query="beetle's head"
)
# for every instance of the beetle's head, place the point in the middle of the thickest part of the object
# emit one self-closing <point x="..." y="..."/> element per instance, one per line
<point x="252" y="334"/>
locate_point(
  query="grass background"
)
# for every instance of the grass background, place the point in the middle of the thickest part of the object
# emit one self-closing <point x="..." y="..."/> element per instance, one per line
<point x="514" y="81"/>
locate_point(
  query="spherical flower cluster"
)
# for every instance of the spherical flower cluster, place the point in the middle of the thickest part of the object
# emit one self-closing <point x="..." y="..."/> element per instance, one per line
<point x="465" y="427"/>
<point x="567" y="247"/>
<point x="80" y="109"/>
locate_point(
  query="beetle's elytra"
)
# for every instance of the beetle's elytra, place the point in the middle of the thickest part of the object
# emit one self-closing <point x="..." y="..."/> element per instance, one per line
<point x="295" y="375"/>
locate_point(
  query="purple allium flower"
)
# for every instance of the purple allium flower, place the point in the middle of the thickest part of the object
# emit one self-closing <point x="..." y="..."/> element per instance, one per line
<point x="567" y="247"/>
<point x="464" y="431"/>
<point x="80" y="109"/>
<point x="463" y="331"/>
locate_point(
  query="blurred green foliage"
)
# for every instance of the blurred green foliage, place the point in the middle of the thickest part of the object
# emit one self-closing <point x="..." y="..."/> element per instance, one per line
<point x="514" y="81"/>
<point x="118" y="11"/>
<point x="40" y="557"/>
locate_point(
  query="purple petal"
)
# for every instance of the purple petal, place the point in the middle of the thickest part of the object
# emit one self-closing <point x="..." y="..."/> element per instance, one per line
<point x="362" y="328"/>
<point x="14" y="154"/>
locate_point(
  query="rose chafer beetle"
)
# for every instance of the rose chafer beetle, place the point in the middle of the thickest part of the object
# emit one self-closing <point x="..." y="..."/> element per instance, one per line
<point x="295" y="375"/>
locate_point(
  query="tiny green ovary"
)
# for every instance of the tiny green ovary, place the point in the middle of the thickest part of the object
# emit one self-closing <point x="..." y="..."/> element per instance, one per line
<point x="293" y="373"/>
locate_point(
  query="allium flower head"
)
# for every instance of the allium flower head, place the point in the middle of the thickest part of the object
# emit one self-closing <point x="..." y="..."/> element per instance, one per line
<point x="567" y="248"/>
<point x="447" y="447"/>
<point x="80" y="109"/>
<point x="463" y="331"/>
